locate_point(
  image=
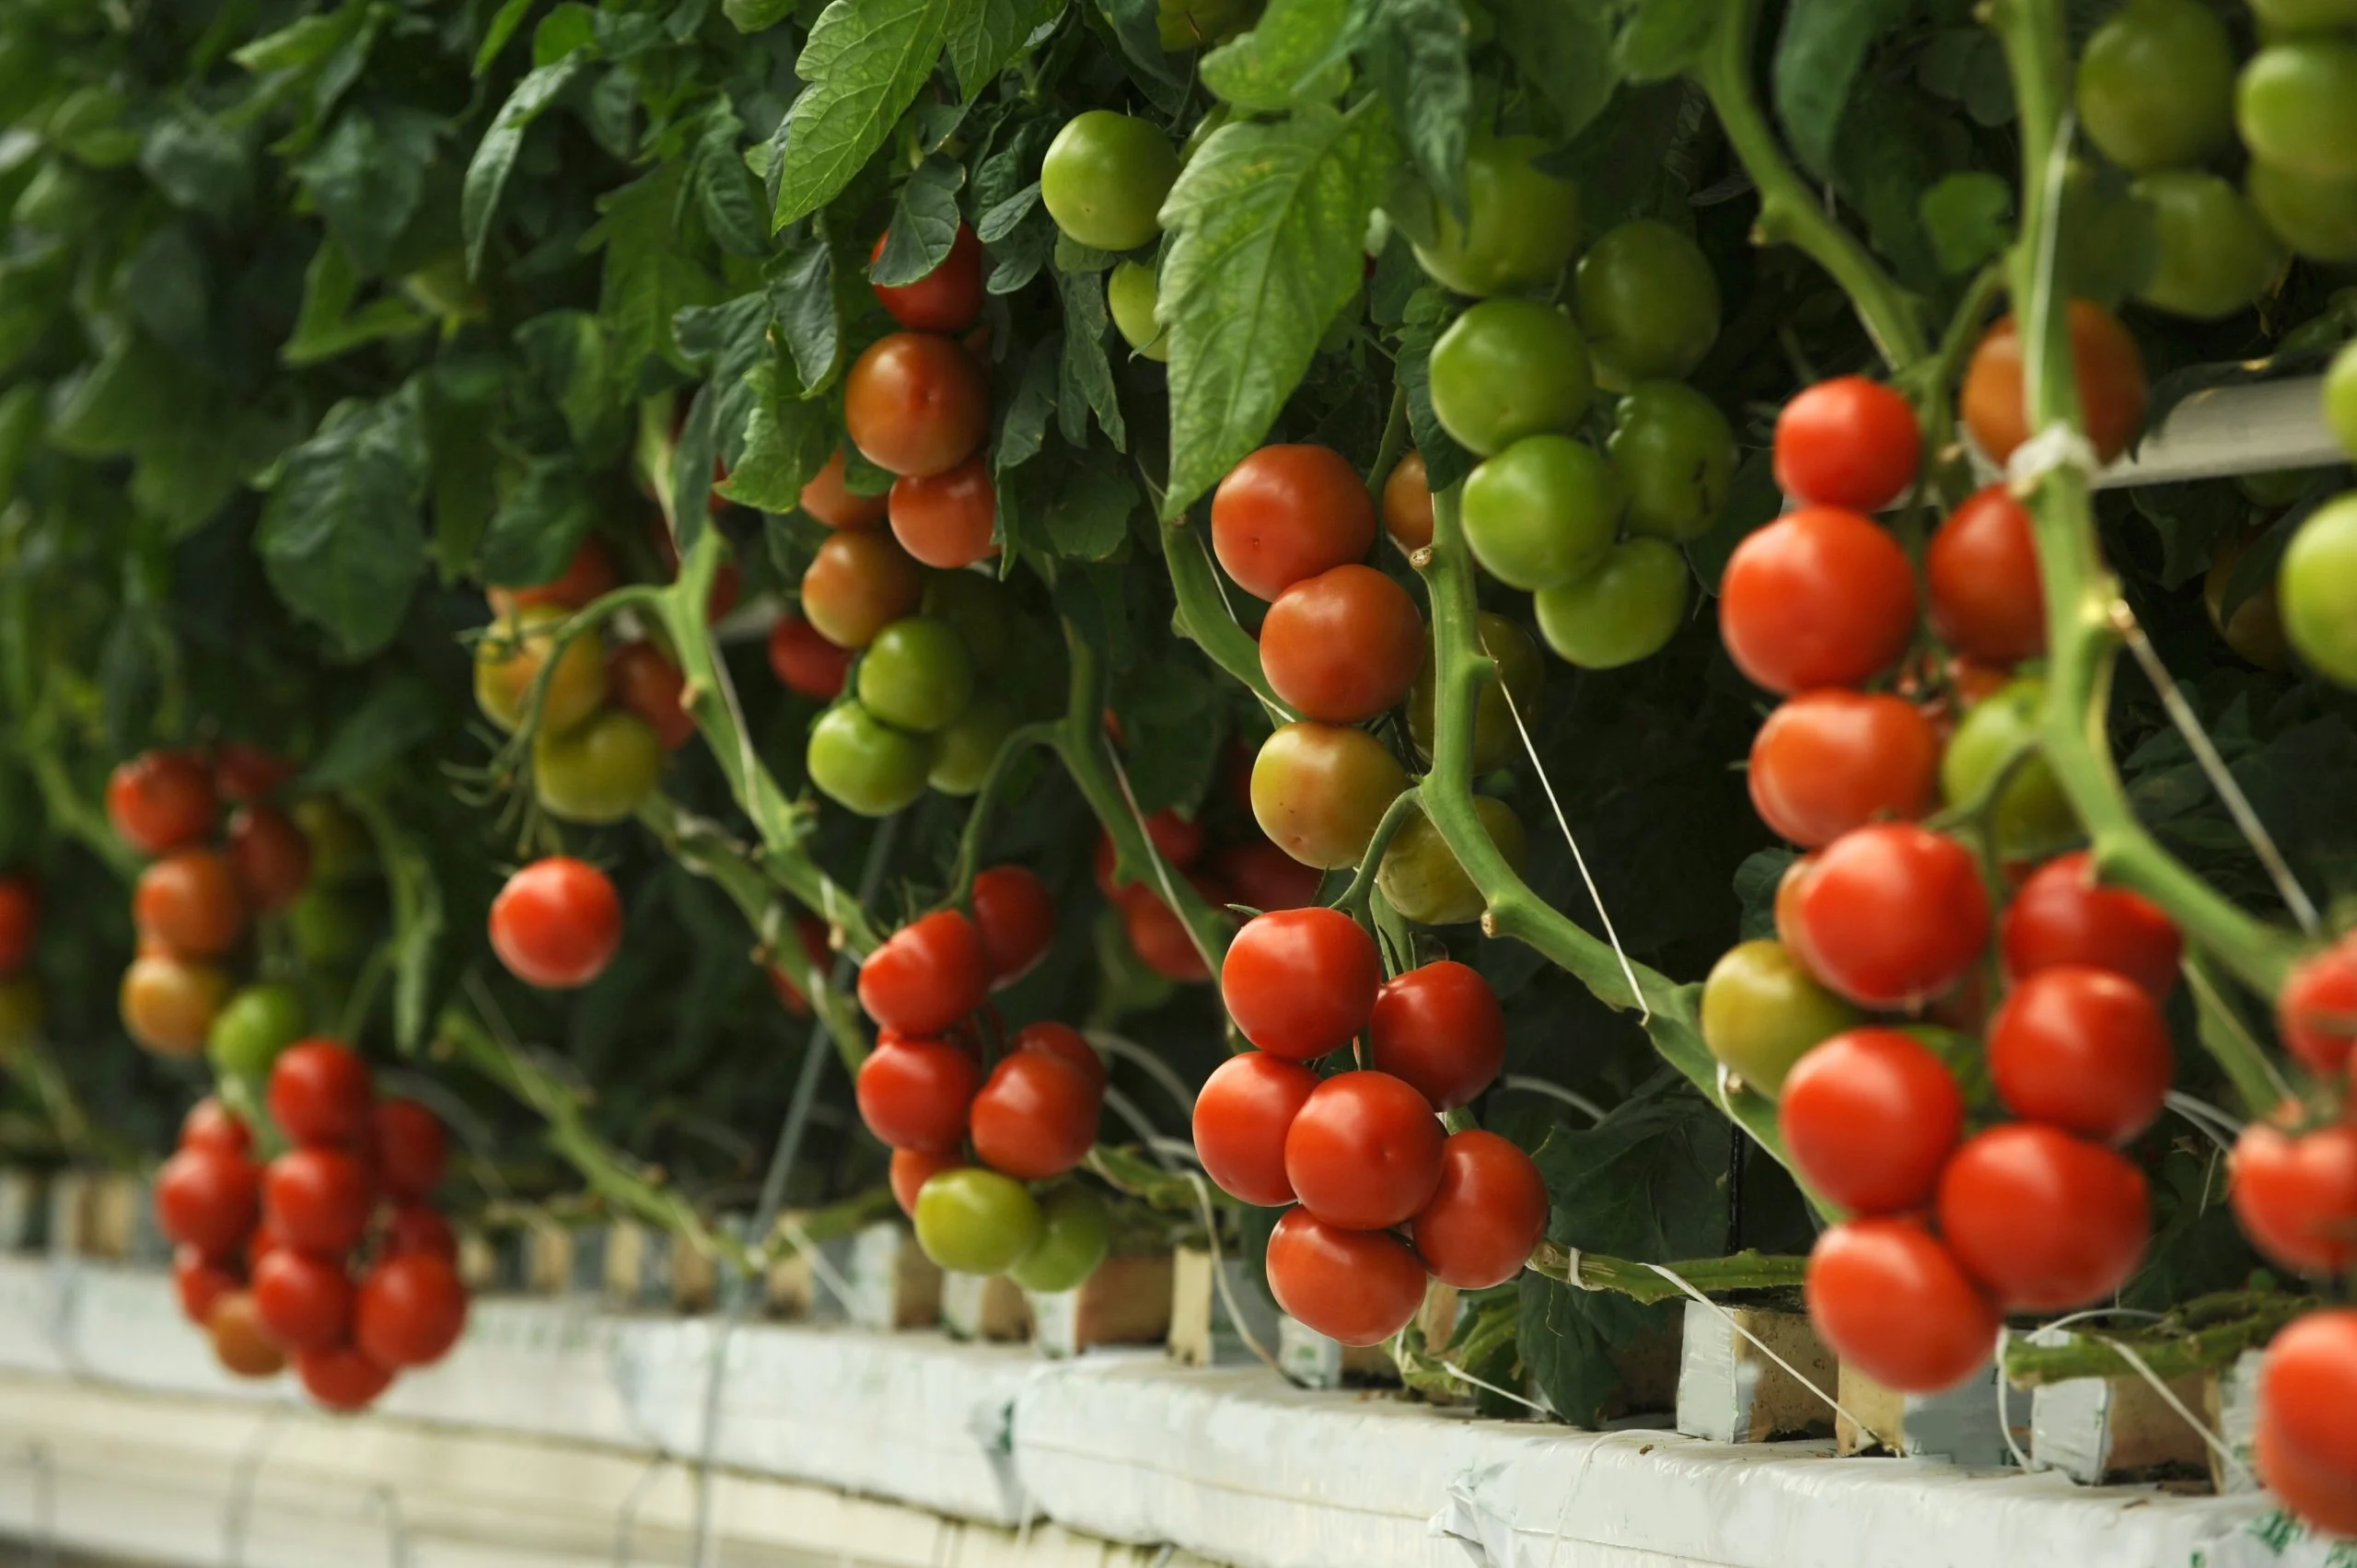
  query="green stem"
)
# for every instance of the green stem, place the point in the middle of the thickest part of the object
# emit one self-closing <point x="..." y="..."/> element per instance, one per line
<point x="1392" y="449"/>
<point x="2174" y="1349"/>
<point x="1640" y="1282"/>
<point x="1204" y="619"/>
<point x="985" y="807"/>
<point x="1353" y="898"/>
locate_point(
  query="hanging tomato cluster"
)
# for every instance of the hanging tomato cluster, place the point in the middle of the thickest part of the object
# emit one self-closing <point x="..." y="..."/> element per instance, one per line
<point x="332" y="1254"/>
<point x="2294" y="1175"/>
<point x="1361" y="1154"/>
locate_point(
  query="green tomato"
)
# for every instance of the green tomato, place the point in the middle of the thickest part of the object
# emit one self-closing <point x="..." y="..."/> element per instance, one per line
<point x="2315" y="217"/>
<point x="1543" y="512"/>
<point x="858" y="760"/>
<point x="253" y="1028"/>
<point x="20" y="1012"/>
<point x="973" y="1221"/>
<point x="1183" y="25"/>
<point x="2156" y="84"/>
<point x="917" y="674"/>
<point x="2295" y="105"/>
<point x="2216" y="256"/>
<point x="1131" y="295"/>
<point x="1619" y="613"/>
<point x="1515" y="660"/>
<point x="1105" y="177"/>
<point x="968" y="747"/>
<point x="2030" y="817"/>
<point x="342" y="849"/>
<point x="1649" y="301"/>
<point x="1508" y="368"/>
<point x="2340" y="398"/>
<point x="1676" y="454"/>
<point x="2317" y="589"/>
<point x="329" y="927"/>
<point x="1522" y="224"/>
<point x="974" y="604"/>
<point x="2305" y="15"/>
<point x="1420" y="875"/>
<point x="1762" y="1012"/>
<point x="601" y="771"/>
<point x="2278" y="487"/>
<point x="1077" y="1232"/>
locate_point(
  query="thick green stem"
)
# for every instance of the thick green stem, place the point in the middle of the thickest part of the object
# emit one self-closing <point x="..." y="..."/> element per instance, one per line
<point x="1395" y="816"/>
<point x="1204" y="619"/>
<point x="2175" y="1349"/>
<point x="1643" y="1281"/>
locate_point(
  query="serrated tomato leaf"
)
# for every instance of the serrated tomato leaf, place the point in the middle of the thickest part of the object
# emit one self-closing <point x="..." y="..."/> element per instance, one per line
<point x="863" y="63"/>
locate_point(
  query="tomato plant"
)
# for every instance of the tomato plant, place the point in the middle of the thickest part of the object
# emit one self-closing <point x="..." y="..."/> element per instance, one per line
<point x="1543" y="512"/>
<point x="2082" y="1049"/>
<point x="1649" y="300"/>
<point x="1848" y="442"/>
<point x="1364" y="1152"/>
<point x="977" y="1222"/>
<point x="1981" y="578"/>
<point x="410" y="1310"/>
<point x="1104" y="177"/>
<point x="916" y="404"/>
<point x="1036" y="1115"/>
<point x="1438" y="1029"/>
<point x="1320" y="790"/>
<point x="1888" y="1296"/>
<point x="1763" y="1011"/>
<point x="1508" y="368"/>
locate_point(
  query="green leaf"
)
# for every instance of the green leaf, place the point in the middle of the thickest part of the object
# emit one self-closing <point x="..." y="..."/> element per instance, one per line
<point x="539" y="525"/>
<point x="1266" y="243"/>
<point x="1086" y="384"/>
<point x="341" y="538"/>
<point x="1018" y="255"/>
<point x="199" y="164"/>
<point x="33" y="287"/>
<point x="756" y="16"/>
<point x="1818" y="58"/>
<point x="495" y="156"/>
<point x="170" y="286"/>
<point x="366" y="176"/>
<point x="1416" y="59"/>
<point x="1089" y="517"/>
<point x="1137" y="28"/>
<point x="863" y="63"/>
<point x="999" y="221"/>
<point x="572" y="361"/>
<point x="1563" y="48"/>
<point x="1024" y="429"/>
<point x="924" y="223"/>
<point x="652" y="271"/>
<point x="1428" y="315"/>
<point x="458" y="399"/>
<point x="1658" y="38"/>
<point x="787" y="441"/>
<point x="986" y="35"/>
<point x="1287" y="58"/>
<point x="1968" y="220"/>
<point x="725" y="191"/>
<point x="1755" y="889"/>
<point x="402" y="711"/>
<point x="503" y="23"/>
<point x="802" y="294"/>
<point x="329" y="326"/>
<point x="22" y="412"/>
<point x="567" y="27"/>
<point x="303" y="43"/>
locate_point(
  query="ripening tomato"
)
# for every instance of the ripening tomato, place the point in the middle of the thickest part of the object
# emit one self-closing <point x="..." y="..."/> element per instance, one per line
<point x="855" y="585"/>
<point x="914" y="1094"/>
<point x="1438" y="1029"/>
<point x="1299" y="983"/>
<point x="160" y="800"/>
<point x="410" y="1310"/>
<point x="316" y="1198"/>
<point x="2082" y="1049"/>
<point x="190" y="900"/>
<point x="588" y="576"/>
<point x="805" y="661"/>
<point x="2296" y="1195"/>
<point x="642" y="680"/>
<point x="321" y="1093"/>
<point x="831" y="502"/>
<point x="1982" y="569"/>
<point x="340" y="1377"/>
<point x="1408" y="502"/>
<point x="2043" y="1220"/>
<point x="1891" y="914"/>
<point x="1343" y="645"/>
<point x="1036" y="1116"/>
<point x="2307" y="1389"/>
<point x="413" y="1149"/>
<point x="927" y="975"/>
<point x="1262" y="877"/>
<point x="19" y="922"/>
<point x="248" y="773"/>
<point x="209" y="1124"/>
<point x="1290" y="512"/>
<point x="271" y="857"/>
<point x="509" y="659"/>
<point x="946" y="300"/>
<point x="1016" y="919"/>
<point x="1363" y="1151"/>
<point x="2061" y="915"/>
<point x="1870" y="1117"/>
<point x="239" y="1341"/>
<point x="1831" y="761"/>
<point x="1487" y="1212"/>
<point x="557" y="922"/>
<point x="2316" y="1012"/>
<point x="1848" y="442"/>
<point x="1820" y="596"/>
<point x="1888" y="1298"/>
<point x="946" y="520"/>
<point x="304" y="1300"/>
<point x="1318" y="790"/>
<point x="2111" y="372"/>
<point x="1763" y="1011"/>
<point x="169" y="1005"/>
<point x="911" y="1168"/>
<point x="1421" y="877"/>
<point x="1241" y="1117"/>
<point x="976" y="1221"/>
<point x="1357" y="1287"/>
<point x="915" y="403"/>
<point x="208" y="1198"/>
<point x="198" y="1282"/>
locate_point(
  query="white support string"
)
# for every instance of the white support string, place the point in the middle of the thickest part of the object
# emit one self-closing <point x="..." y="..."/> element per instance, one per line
<point x="1578" y="1101"/>
<point x="2222" y="1129"/>
<point x="1146" y="1061"/>
<point x="2216" y="1444"/>
<point x="1756" y="1342"/>
<point x="1219" y="1282"/>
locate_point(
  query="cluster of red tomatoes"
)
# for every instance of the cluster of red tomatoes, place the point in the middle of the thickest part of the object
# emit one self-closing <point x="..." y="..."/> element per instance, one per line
<point x="1247" y="869"/>
<point x="1029" y="1119"/>
<point x="1361" y="1154"/>
<point x="331" y="1254"/>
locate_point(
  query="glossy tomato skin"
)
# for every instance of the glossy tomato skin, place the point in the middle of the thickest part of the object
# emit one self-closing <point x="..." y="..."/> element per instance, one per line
<point x="319" y="1093"/>
<point x="1987" y="601"/>
<point x="2156" y="84"/>
<point x="1104" y="177"/>
<point x="976" y="1221"/>
<point x="2111" y="372"/>
<point x="1300" y="983"/>
<point x="1870" y="1118"/>
<point x="410" y="1310"/>
<point x="169" y="1005"/>
<point x="1318" y="790"/>
<point x="1831" y="761"/>
<point x="643" y="680"/>
<point x="190" y="900"/>
<point x="1649" y="302"/>
<point x="508" y="661"/>
<point x="1036" y="1116"/>
<point x="1066" y="1044"/>
<point x="1408" y="502"/>
<point x="239" y="1341"/>
<point x="271" y="857"/>
<point x="911" y="1168"/>
<point x="1422" y="877"/>
<point x="1522" y="222"/>
<point x="1242" y="1115"/>
<point x="413" y="1149"/>
<point x="1262" y="877"/>
<point x="418" y="1228"/>
<point x="1676" y="453"/>
<point x="829" y="499"/>
<point x="946" y="300"/>
<point x="600" y="771"/>
<point x="947" y="520"/>
<point x="1626" y="610"/>
<point x="805" y="661"/>
<point x="1356" y="1287"/>
<point x="209" y="1124"/>
<point x="917" y="676"/>
<point x="1290" y="512"/>
<point x="2061" y="915"/>
<point x="1508" y="368"/>
<point x="1763" y="1011"/>
<point x="341" y="1377"/>
<point x="1543" y="512"/>
<point x="2316" y="1013"/>
<point x="1848" y="442"/>
<point x="2292" y="106"/>
<point x="557" y="922"/>
<point x="2043" y="1220"/>
<point x="1343" y="645"/>
<point x="304" y="1300"/>
<point x="915" y="403"/>
<point x="1016" y="918"/>
<point x="198" y="1282"/>
<point x="2084" y="1048"/>
<point x="1820" y="596"/>
<point x="914" y="1094"/>
<point x="1439" y="1029"/>
<point x="1487" y="1213"/>
<point x="2216" y="254"/>
<point x="927" y="975"/>
<point x="2307" y="1389"/>
<point x="856" y="585"/>
<point x="1887" y="1296"/>
<point x="861" y="762"/>
<point x="1075" y="1234"/>
<point x="1364" y="1153"/>
<point x="209" y="1199"/>
<point x="317" y="1199"/>
<point x="2296" y="1195"/>
<point x="1160" y="938"/>
<point x="1892" y="914"/>
<point x="160" y="800"/>
<point x="2316" y="587"/>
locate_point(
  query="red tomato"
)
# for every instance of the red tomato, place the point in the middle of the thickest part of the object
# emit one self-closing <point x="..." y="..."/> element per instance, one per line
<point x="318" y="1199"/>
<point x="1263" y="876"/>
<point x="1016" y="919"/>
<point x="946" y="520"/>
<point x="1820" y="596"/>
<point x="1487" y="1213"/>
<point x="1301" y="983"/>
<point x="198" y="1282"/>
<point x="1870" y="1117"/>
<point x="413" y="1149"/>
<point x="927" y="975"/>
<point x="946" y="300"/>
<point x="914" y="1094"/>
<point x="1408" y="502"/>
<point x="208" y="1198"/>
<point x="1828" y="761"/>
<point x="1174" y="838"/>
<point x="319" y="1093"/>
<point x="588" y="576"/>
<point x="1343" y="645"/>
<point x="1987" y="601"/>
<point x="19" y="922"/>
<point x="2306" y="1444"/>
<point x="411" y="1310"/>
<point x="1036" y="1116"/>
<point x="1242" y="1114"/>
<point x="557" y="923"/>
<point x="827" y="499"/>
<point x="341" y="1377"/>
<point x="2043" y="1220"/>
<point x="305" y="1302"/>
<point x="1848" y="442"/>
<point x="911" y="1168"/>
<point x="160" y="800"/>
<point x="2084" y="1048"/>
<point x="805" y="662"/>
<point x="2105" y="359"/>
<point x="1364" y="1153"/>
<point x="1066" y="1044"/>
<point x="2296" y="1195"/>
<point x="856" y="585"/>
<point x="916" y="403"/>
<point x="209" y="1124"/>
<point x="189" y="902"/>
<point x="271" y="857"/>
<point x="1159" y="937"/>
<point x="2316" y="1014"/>
<point x="1891" y="914"/>
<point x="1889" y="1299"/>
<point x="248" y="773"/>
<point x="1789" y="887"/>
<point x="418" y="1228"/>
<point x="239" y="1341"/>
<point x="1286" y="512"/>
<point x="2062" y="916"/>
<point x="1357" y="1287"/>
<point x="1438" y="1029"/>
<point x="642" y="680"/>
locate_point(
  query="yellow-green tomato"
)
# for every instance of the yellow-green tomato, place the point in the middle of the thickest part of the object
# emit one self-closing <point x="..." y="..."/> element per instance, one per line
<point x="1183" y="25"/>
<point x="1074" y="1236"/>
<point x="2315" y="217"/>
<point x="1130" y="295"/>
<point x="1515" y="660"/>
<point x="1543" y="512"/>
<point x="2340" y="398"/>
<point x="1522" y="224"/>
<point x="253" y="1028"/>
<point x="1104" y="177"/>
<point x="20" y="1011"/>
<point x="2030" y="815"/>
<point x="858" y="760"/>
<point x="1320" y="790"/>
<point x="508" y="659"/>
<point x="1620" y="612"/>
<point x="2156" y="84"/>
<point x="1420" y="875"/>
<point x="973" y="1221"/>
<point x="2216" y="255"/>
<point x="968" y="747"/>
<point x="341" y="849"/>
<point x="1761" y="1011"/>
<point x="597" y="772"/>
<point x="2295" y="105"/>
<point x="2316" y="586"/>
<point x="1676" y="455"/>
<point x="917" y="674"/>
<point x="1649" y="301"/>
